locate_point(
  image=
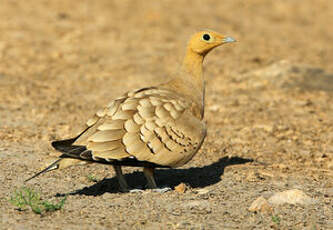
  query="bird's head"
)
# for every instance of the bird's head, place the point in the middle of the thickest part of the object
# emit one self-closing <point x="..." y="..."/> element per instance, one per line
<point x="204" y="41"/>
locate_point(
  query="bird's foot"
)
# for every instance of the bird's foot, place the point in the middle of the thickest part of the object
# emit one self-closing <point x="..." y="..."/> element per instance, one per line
<point x="136" y="190"/>
<point x="162" y="190"/>
<point x="159" y="190"/>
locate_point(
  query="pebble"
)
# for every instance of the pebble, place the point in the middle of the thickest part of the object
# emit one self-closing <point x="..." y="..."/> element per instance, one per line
<point x="203" y="191"/>
<point x="293" y="196"/>
<point x="181" y="188"/>
<point x="214" y="108"/>
<point x="260" y="205"/>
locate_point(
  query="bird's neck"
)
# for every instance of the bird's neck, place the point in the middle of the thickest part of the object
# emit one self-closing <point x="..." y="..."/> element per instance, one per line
<point x="192" y="65"/>
<point x="190" y="81"/>
<point x="192" y="76"/>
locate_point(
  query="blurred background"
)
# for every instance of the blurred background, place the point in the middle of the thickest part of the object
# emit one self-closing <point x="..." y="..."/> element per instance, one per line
<point x="73" y="47"/>
<point x="269" y="96"/>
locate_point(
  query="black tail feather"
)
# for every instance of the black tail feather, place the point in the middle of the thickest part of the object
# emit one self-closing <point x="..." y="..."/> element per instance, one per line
<point x="67" y="147"/>
<point x="53" y="166"/>
<point x="63" y="145"/>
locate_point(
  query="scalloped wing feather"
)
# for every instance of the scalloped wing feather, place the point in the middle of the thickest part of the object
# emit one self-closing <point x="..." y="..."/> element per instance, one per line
<point x="154" y="125"/>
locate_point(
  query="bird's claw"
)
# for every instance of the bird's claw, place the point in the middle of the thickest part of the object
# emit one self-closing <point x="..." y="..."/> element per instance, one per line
<point x="136" y="190"/>
<point x="162" y="190"/>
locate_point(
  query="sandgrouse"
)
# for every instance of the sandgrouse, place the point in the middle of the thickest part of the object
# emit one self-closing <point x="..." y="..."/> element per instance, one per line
<point x="159" y="126"/>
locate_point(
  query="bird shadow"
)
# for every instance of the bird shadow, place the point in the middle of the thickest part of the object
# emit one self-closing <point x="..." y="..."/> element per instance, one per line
<point x="195" y="177"/>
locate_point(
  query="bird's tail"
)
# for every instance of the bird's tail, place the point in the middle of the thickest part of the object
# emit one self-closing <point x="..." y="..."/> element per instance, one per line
<point x="59" y="164"/>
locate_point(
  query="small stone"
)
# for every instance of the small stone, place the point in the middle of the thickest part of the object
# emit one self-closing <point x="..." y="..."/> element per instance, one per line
<point x="202" y="191"/>
<point x="260" y="205"/>
<point x="181" y="188"/>
<point x="214" y="108"/>
<point x="293" y="196"/>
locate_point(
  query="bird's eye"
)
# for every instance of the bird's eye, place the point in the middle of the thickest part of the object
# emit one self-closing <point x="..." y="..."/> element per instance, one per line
<point x="206" y="37"/>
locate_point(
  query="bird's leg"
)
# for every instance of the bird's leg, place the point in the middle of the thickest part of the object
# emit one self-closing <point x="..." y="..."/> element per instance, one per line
<point x="149" y="174"/>
<point x="121" y="179"/>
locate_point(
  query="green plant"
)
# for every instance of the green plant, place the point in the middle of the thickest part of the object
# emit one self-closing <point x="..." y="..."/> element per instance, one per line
<point x="276" y="219"/>
<point x="26" y="197"/>
<point x="92" y="178"/>
<point x="50" y="207"/>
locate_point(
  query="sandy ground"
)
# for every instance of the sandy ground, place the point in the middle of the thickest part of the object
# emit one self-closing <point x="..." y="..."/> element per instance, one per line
<point x="269" y="110"/>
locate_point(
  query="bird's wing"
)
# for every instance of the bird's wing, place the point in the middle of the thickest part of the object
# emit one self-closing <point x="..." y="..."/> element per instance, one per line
<point x="148" y="125"/>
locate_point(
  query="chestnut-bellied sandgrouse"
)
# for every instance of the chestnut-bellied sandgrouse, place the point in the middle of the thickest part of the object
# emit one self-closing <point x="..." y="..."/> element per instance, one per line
<point x="159" y="126"/>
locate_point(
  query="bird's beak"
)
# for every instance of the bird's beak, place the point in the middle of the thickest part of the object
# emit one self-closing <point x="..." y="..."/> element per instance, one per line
<point x="228" y="39"/>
